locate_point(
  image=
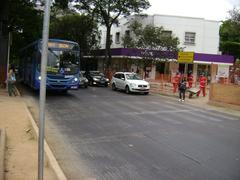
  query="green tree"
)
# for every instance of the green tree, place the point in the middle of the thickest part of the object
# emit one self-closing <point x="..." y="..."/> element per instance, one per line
<point x="79" y="28"/>
<point x="108" y="12"/>
<point x="150" y="38"/>
<point x="230" y="34"/>
<point x="25" y="24"/>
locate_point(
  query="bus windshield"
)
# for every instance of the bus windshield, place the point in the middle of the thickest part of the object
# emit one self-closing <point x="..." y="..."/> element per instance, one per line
<point x="64" y="62"/>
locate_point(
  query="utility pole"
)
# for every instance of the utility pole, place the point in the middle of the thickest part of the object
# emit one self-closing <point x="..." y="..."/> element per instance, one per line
<point x="42" y="100"/>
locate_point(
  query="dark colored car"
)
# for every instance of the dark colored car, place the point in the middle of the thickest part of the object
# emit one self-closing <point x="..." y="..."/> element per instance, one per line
<point x="97" y="78"/>
<point x="83" y="81"/>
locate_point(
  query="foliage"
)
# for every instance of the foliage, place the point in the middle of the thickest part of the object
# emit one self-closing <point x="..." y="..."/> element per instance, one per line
<point x="107" y="13"/>
<point x="230" y="34"/>
<point x="75" y="27"/>
<point x="150" y="38"/>
<point x="25" y="24"/>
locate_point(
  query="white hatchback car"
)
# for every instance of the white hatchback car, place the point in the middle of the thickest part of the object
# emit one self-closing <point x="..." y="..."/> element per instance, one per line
<point x="130" y="82"/>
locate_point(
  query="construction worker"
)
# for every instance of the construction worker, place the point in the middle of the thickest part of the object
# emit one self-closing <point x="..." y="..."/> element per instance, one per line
<point x="203" y="83"/>
<point x="176" y="80"/>
<point x="190" y="80"/>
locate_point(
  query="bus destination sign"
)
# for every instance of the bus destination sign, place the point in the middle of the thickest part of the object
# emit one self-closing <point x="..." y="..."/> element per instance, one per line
<point x="59" y="45"/>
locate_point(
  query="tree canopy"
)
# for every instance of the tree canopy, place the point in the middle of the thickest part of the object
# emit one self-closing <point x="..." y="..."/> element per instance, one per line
<point x="79" y="28"/>
<point x="25" y="24"/>
<point x="149" y="38"/>
<point x="230" y="34"/>
<point x="107" y="13"/>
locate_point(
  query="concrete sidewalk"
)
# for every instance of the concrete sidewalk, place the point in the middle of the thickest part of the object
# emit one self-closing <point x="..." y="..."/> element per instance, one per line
<point x="21" y="147"/>
<point x="166" y="89"/>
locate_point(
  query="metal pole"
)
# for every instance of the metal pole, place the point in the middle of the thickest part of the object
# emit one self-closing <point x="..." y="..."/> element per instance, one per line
<point x="43" y="90"/>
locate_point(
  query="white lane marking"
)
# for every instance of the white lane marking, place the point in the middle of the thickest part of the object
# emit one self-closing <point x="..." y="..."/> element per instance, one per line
<point x="205" y="116"/>
<point x="163" y="104"/>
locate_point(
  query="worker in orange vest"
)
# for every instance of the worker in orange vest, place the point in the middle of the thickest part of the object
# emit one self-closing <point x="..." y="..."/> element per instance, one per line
<point x="203" y="83"/>
<point x="190" y="80"/>
<point x="176" y="80"/>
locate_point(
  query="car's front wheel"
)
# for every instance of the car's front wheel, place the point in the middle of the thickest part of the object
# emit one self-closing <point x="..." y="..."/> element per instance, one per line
<point x="113" y="87"/>
<point x="127" y="90"/>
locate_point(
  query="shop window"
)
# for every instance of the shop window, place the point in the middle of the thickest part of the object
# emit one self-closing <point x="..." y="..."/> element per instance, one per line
<point x="190" y="38"/>
<point x="160" y="67"/>
<point x="190" y="68"/>
<point x="181" y="68"/>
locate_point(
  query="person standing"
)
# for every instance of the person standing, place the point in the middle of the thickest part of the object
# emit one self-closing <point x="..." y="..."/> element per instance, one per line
<point x="11" y="79"/>
<point x="190" y="80"/>
<point x="176" y="80"/>
<point x="203" y="83"/>
<point x="182" y="89"/>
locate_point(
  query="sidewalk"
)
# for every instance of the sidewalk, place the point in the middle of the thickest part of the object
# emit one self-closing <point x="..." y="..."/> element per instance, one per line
<point x="203" y="102"/>
<point x="21" y="144"/>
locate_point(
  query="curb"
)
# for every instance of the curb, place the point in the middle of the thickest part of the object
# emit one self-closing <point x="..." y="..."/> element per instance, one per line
<point x="2" y="152"/>
<point x="49" y="154"/>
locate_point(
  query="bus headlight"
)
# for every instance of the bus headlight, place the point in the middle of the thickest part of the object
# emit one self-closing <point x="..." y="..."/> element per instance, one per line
<point x="39" y="78"/>
<point x="75" y="79"/>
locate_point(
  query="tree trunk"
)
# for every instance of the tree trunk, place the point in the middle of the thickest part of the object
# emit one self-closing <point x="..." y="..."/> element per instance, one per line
<point x="108" y="56"/>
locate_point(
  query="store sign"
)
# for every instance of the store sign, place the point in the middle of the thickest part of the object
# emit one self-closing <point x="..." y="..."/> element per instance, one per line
<point x="223" y="71"/>
<point x="185" y="57"/>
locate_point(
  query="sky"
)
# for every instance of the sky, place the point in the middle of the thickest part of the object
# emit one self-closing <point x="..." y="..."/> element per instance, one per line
<point x="208" y="9"/>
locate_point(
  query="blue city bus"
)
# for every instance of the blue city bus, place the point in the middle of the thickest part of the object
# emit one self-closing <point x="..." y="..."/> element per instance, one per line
<point x="62" y="65"/>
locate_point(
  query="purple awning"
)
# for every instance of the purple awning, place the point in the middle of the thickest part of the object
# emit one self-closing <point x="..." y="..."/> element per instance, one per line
<point x="213" y="58"/>
<point x="132" y="52"/>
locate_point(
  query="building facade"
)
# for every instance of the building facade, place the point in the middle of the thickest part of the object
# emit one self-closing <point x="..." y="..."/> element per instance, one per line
<point x="196" y="35"/>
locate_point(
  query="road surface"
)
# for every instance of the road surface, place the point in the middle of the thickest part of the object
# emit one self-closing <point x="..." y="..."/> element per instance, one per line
<point x="107" y="135"/>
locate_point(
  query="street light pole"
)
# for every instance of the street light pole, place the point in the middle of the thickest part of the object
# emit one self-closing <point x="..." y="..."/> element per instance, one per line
<point x="42" y="100"/>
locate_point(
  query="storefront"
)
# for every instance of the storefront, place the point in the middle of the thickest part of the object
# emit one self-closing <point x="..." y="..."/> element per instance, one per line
<point x="159" y="65"/>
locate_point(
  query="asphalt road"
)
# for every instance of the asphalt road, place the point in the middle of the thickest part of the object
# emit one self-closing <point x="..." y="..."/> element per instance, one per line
<point x="107" y="135"/>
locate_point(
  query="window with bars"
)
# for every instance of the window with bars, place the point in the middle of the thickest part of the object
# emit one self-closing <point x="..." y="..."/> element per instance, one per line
<point x="190" y="38"/>
<point x="117" y="38"/>
<point x="167" y="33"/>
<point x="127" y="33"/>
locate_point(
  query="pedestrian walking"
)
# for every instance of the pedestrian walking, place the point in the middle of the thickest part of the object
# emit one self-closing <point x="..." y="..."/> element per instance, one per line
<point x="203" y="83"/>
<point x="182" y="89"/>
<point x="11" y="79"/>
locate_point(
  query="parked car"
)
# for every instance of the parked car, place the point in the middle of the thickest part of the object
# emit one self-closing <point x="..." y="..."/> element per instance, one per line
<point x="97" y="78"/>
<point x="129" y="82"/>
<point x="83" y="81"/>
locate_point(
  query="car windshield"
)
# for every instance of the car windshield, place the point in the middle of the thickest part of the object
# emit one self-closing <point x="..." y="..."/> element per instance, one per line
<point x="133" y="77"/>
<point x="96" y="73"/>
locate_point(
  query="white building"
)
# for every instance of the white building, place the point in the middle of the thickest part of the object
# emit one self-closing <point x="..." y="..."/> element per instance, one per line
<point x="195" y="34"/>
